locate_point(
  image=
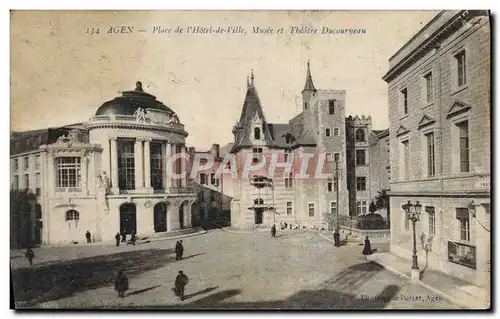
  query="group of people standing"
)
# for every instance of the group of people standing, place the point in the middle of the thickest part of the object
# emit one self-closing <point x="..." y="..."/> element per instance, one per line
<point x="123" y="238"/>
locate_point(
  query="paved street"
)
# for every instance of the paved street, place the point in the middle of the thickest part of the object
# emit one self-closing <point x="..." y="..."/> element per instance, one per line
<point x="225" y="270"/>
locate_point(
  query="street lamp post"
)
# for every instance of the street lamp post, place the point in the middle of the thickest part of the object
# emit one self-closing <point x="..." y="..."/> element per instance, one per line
<point x="336" y="234"/>
<point x="413" y="211"/>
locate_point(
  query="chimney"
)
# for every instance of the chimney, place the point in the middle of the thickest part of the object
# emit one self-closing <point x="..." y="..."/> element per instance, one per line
<point x="215" y="150"/>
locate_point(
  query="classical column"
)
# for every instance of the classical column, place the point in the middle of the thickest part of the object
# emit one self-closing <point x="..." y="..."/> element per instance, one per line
<point x="147" y="163"/>
<point x="168" y="166"/>
<point x="114" y="165"/>
<point x="138" y="164"/>
<point x="183" y="165"/>
<point x="51" y="187"/>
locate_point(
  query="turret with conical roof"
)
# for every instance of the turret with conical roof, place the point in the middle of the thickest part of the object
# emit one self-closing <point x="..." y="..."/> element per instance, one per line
<point x="309" y="89"/>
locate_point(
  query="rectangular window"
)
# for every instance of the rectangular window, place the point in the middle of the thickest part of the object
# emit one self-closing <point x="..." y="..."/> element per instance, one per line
<point x="464" y="221"/>
<point x="214" y="180"/>
<point x="38" y="184"/>
<point x="363" y="207"/>
<point x="289" y="208"/>
<point x="431" y="165"/>
<point x="288" y="155"/>
<point x="463" y="129"/>
<point x="328" y="132"/>
<point x="329" y="185"/>
<point x="336" y="157"/>
<point x="311" y="209"/>
<point x="331" y="106"/>
<point x="432" y="220"/>
<point x="407" y="221"/>
<point x="126" y="165"/>
<point x="360" y="157"/>
<point x="358" y="208"/>
<point x="289" y="181"/>
<point x="156" y="165"/>
<point x="329" y="157"/>
<point x="305" y="105"/>
<point x="429" y="93"/>
<point x="203" y="178"/>
<point x="68" y="172"/>
<point x="335" y="132"/>
<point x="404" y="100"/>
<point x="26" y="181"/>
<point x="406" y="159"/>
<point x="333" y="208"/>
<point x="37" y="162"/>
<point x="15" y="184"/>
<point x="16" y="164"/>
<point x="461" y="69"/>
<point x="257" y="151"/>
<point x="361" y="183"/>
<point x="26" y="163"/>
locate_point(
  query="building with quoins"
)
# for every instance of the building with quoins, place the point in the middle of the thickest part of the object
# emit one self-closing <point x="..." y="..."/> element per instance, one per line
<point x="107" y="175"/>
<point x="439" y="108"/>
<point x="351" y="161"/>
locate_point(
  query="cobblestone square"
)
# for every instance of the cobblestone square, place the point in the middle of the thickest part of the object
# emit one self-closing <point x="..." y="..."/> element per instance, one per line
<point x="226" y="270"/>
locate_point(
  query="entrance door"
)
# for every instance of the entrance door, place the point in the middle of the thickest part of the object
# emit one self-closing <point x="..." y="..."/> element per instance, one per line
<point x="258" y="215"/>
<point x="128" y="220"/>
<point x="160" y="217"/>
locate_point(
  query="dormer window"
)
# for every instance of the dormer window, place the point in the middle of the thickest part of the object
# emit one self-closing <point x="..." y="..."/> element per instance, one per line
<point x="256" y="133"/>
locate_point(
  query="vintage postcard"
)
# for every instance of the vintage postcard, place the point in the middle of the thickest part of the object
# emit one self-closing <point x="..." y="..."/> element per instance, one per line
<point x="250" y="159"/>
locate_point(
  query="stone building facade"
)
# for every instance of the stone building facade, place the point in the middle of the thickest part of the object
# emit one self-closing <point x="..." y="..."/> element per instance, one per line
<point x="439" y="108"/>
<point x="320" y="131"/>
<point x="108" y="175"/>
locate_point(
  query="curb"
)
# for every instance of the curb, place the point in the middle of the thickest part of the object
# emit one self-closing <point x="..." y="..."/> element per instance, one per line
<point x="435" y="290"/>
<point x="112" y="243"/>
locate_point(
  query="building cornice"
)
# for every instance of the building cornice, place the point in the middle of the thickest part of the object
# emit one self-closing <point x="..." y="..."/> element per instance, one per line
<point x="137" y="127"/>
<point x="433" y="41"/>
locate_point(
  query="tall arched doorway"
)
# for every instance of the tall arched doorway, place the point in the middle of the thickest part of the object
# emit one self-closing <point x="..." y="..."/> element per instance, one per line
<point x="128" y="219"/>
<point x="181" y="215"/>
<point x="160" y="217"/>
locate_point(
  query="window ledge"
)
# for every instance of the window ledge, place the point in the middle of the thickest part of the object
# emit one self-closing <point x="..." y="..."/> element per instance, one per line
<point x="402" y="117"/>
<point x="459" y="89"/>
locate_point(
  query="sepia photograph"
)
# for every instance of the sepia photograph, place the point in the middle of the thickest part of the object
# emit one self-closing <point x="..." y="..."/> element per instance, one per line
<point x="250" y="160"/>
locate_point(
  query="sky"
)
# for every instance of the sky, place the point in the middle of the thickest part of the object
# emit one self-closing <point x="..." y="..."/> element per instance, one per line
<point x="60" y="74"/>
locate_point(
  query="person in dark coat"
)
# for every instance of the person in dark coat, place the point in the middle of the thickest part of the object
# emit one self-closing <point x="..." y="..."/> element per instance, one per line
<point x="133" y="238"/>
<point x="180" y="283"/>
<point x="121" y="284"/>
<point x="117" y="237"/>
<point x="179" y="250"/>
<point x="124" y="237"/>
<point x="336" y="239"/>
<point x="273" y="231"/>
<point x="367" y="250"/>
<point x="88" y="236"/>
<point x="30" y="255"/>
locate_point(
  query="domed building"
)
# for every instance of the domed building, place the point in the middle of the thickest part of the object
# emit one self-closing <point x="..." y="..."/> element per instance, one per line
<point x="119" y="172"/>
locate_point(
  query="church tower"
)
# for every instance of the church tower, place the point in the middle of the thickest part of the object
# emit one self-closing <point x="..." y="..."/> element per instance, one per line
<point x="309" y="89"/>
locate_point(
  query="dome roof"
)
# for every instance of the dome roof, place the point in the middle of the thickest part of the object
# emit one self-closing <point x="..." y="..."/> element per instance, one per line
<point x="130" y="101"/>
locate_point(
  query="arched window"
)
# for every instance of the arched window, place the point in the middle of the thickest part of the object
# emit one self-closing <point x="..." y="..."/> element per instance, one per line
<point x="256" y="133"/>
<point x="72" y="215"/>
<point x="360" y="135"/>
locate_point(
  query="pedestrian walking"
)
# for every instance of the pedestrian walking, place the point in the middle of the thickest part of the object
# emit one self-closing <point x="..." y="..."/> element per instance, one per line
<point x="30" y="255"/>
<point x="88" y="236"/>
<point x="180" y="283"/>
<point x="117" y="237"/>
<point x="179" y="250"/>
<point x="273" y="231"/>
<point x="367" y="250"/>
<point x="124" y="236"/>
<point x="121" y="284"/>
<point x="336" y="238"/>
<point x="133" y="238"/>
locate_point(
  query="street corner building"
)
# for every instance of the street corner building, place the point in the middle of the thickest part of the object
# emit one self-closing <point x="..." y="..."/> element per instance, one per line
<point x="107" y="175"/>
<point x="356" y="162"/>
<point x="439" y="109"/>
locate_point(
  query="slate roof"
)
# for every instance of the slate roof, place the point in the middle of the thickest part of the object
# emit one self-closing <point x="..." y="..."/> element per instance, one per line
<point x="309" y="86"/>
